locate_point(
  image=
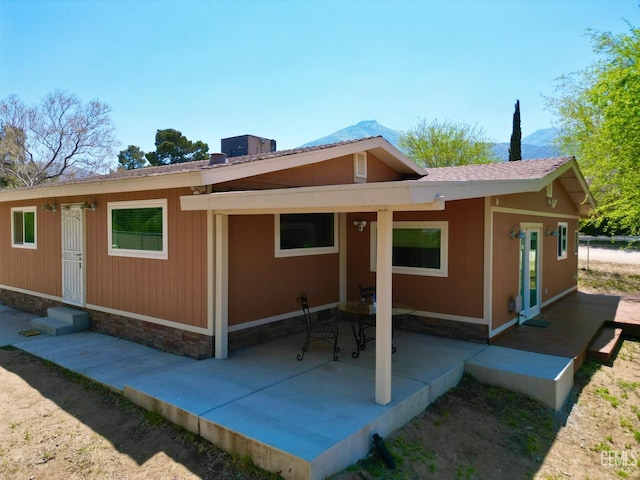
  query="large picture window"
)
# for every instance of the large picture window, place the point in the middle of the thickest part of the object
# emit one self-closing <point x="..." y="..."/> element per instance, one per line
<point x="138" y="229"/>
<point x="419" y="248"/>
<point x="305" y="234"/>
<point x="562" y="240"/>
<point x="23" y="227"/>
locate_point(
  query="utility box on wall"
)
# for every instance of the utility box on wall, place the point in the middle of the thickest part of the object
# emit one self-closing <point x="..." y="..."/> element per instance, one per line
<point x="246" y="145"/>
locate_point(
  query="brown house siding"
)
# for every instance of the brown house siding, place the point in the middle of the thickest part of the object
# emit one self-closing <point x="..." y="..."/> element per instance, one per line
<point x="18" y="266"/>
<point x="338" y="171"/>
<point x="174" y="289"/>
<point x="261" y="285"/>
<point x="558" y="276"/>
<point x="461" y="292"/>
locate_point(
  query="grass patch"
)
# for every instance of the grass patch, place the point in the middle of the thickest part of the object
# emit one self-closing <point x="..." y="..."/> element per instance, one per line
<point x="603" y="393"/>
<point x="608" y="278"/>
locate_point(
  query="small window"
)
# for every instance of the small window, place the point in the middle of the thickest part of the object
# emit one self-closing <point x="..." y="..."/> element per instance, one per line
<point x="419" y="248"/>
<point x="562" y="240"/>
<point x="138" y="229"/>
<point x="360" y="166"/>
<point x="305" y="234"/>
<point x="23" y="227"/>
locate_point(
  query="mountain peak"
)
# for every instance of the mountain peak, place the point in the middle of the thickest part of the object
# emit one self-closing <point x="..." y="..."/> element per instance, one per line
<point x="362" y="129"/>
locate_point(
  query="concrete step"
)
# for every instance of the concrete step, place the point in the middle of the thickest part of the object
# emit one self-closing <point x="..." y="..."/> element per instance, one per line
<point x="605" y="346"/>
<point x="61" y="321"/>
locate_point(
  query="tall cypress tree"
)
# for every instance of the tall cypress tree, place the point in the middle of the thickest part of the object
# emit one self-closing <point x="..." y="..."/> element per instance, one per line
<point x="515" y="150"/>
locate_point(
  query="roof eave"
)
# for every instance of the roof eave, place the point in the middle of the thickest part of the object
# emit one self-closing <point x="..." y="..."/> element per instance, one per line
<point x="400" y="195"/>
<point x="135" y="184"/>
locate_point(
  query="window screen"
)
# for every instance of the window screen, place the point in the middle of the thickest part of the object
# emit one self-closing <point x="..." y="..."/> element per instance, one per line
<point x="24" y="227"/>
<point x="306" y="230"/>
<point x="137" y="229"/>
<point x="417" y="247"/>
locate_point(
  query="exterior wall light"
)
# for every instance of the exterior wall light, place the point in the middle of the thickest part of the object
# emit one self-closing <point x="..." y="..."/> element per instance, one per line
<point x="551" y="232"/>
<point x="360" y="224"/>
<point x="50" y="207"/>
<point x="517" y="234"/>
<point x="86" y="205"/>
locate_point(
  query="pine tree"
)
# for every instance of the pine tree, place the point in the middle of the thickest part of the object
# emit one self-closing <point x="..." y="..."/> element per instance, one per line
<point x="515" y="150"/>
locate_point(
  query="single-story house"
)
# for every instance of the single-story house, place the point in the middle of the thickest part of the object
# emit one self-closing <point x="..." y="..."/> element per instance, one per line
<point x="203" y="257"/>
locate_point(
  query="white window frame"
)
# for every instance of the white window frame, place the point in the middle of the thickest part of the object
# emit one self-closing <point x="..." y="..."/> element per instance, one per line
<point x="124" y="252"/>
<point x="299" y="252"/>
<point x="443" y="271"/>
<point x="22" y="210"/>
<point x="563" y="241"/>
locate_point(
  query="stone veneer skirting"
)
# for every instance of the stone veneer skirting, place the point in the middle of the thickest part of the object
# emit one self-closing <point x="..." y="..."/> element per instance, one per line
<point x="443" y="328"/>
<point x="160" y="337"/>
<point x="199" y="346"/>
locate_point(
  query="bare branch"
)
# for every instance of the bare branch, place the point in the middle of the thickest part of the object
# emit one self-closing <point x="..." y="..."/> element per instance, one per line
<point x="62" y="135"/>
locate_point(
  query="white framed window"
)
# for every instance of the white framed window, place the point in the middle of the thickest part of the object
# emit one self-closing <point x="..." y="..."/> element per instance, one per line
<point x="419" y="248"/>
<point x="24" y="232"/>
<point x="360" y="166"/>
<point x="298" y="234"/>
<point x="562" y="240"/>
<point x="138" y="229"/>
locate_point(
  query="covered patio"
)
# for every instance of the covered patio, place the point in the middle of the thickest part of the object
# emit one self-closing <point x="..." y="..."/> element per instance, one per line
<point x="312" y="418"/>
<point x="303" y="419"/>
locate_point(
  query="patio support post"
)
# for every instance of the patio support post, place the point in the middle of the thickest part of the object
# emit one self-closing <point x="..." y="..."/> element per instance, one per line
<point x="383" y="307"/>
<point x="342" y="242"/>
<point x="221" y="294"/>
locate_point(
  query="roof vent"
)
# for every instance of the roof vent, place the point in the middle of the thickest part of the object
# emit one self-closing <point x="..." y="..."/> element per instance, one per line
<point x="217" y="158"/>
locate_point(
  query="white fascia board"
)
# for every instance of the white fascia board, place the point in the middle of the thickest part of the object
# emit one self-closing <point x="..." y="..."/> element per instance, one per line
<point x="137" y="184"/>
<point x="334" y="198"/>
<point x="379" y="146"/>
<point x="461" y="190"/>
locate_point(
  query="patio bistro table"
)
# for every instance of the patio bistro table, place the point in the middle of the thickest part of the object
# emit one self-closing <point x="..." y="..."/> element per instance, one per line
<point x="363" y="315"/>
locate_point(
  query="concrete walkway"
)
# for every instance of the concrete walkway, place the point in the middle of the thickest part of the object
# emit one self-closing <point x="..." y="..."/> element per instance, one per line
<point x="304" y="419"/>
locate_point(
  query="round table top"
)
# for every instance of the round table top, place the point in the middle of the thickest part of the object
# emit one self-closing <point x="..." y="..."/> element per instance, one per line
<point x="359" y="308"/>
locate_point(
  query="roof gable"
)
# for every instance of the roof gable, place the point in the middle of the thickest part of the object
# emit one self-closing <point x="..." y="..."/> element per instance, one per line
<point x="203" y="173"/>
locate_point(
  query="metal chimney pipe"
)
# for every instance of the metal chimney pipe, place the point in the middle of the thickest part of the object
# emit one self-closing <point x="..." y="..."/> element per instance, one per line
<point x="217" y="158"/>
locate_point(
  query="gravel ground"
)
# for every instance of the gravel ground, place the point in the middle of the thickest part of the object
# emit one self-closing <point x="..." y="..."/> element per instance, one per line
<point x="597" y="254"/>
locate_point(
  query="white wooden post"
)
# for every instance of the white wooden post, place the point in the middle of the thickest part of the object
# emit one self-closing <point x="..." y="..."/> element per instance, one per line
<point x="221" y="293"/>
<point x="383" y="308"/>
<point x="342" y="255"/>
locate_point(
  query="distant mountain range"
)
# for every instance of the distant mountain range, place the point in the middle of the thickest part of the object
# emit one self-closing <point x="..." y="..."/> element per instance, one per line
<point x="537" y="145"/>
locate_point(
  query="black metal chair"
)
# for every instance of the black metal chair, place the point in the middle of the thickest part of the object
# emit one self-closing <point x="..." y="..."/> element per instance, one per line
<point x="367" y="295"/>
<point x="324" y="330"/>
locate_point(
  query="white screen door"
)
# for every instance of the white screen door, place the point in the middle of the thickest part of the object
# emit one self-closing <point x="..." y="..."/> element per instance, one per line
<point x="73" y="255"/>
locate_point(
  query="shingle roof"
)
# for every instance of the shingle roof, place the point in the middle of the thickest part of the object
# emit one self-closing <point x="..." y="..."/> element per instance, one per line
<point x="187" y="167"/>
<point x="519" y="170"/>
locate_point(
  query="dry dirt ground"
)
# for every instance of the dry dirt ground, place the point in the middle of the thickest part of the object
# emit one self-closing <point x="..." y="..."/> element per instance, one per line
<point x="56" y="425"/>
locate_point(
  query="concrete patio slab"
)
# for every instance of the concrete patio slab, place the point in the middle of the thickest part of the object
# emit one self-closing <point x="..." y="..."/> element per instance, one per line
<point x="108" y="360"/>
<point x="546" y="378"/>
<point x="13" y="321"/>
<point x="304" y="419"/>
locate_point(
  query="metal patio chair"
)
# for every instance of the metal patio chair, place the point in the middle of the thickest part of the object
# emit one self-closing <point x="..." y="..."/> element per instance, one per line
<point x="323" y="330"/>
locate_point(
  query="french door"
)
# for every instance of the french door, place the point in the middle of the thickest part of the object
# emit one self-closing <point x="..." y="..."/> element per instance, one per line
<point x="530" y="255"/>
<point x="73" y="279"/>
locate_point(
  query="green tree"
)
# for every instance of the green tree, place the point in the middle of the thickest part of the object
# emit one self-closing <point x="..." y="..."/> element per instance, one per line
<point x="515" y="148"/>
<point x="132" y="158"/>
<point x="599" y="113"/>
<point x="173" y="147"/>
<point x="442" y="144"/>
<point x="60" y="137"/>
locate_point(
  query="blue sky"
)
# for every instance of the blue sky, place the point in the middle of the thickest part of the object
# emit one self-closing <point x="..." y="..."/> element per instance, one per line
<point x="295" y="70"/>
